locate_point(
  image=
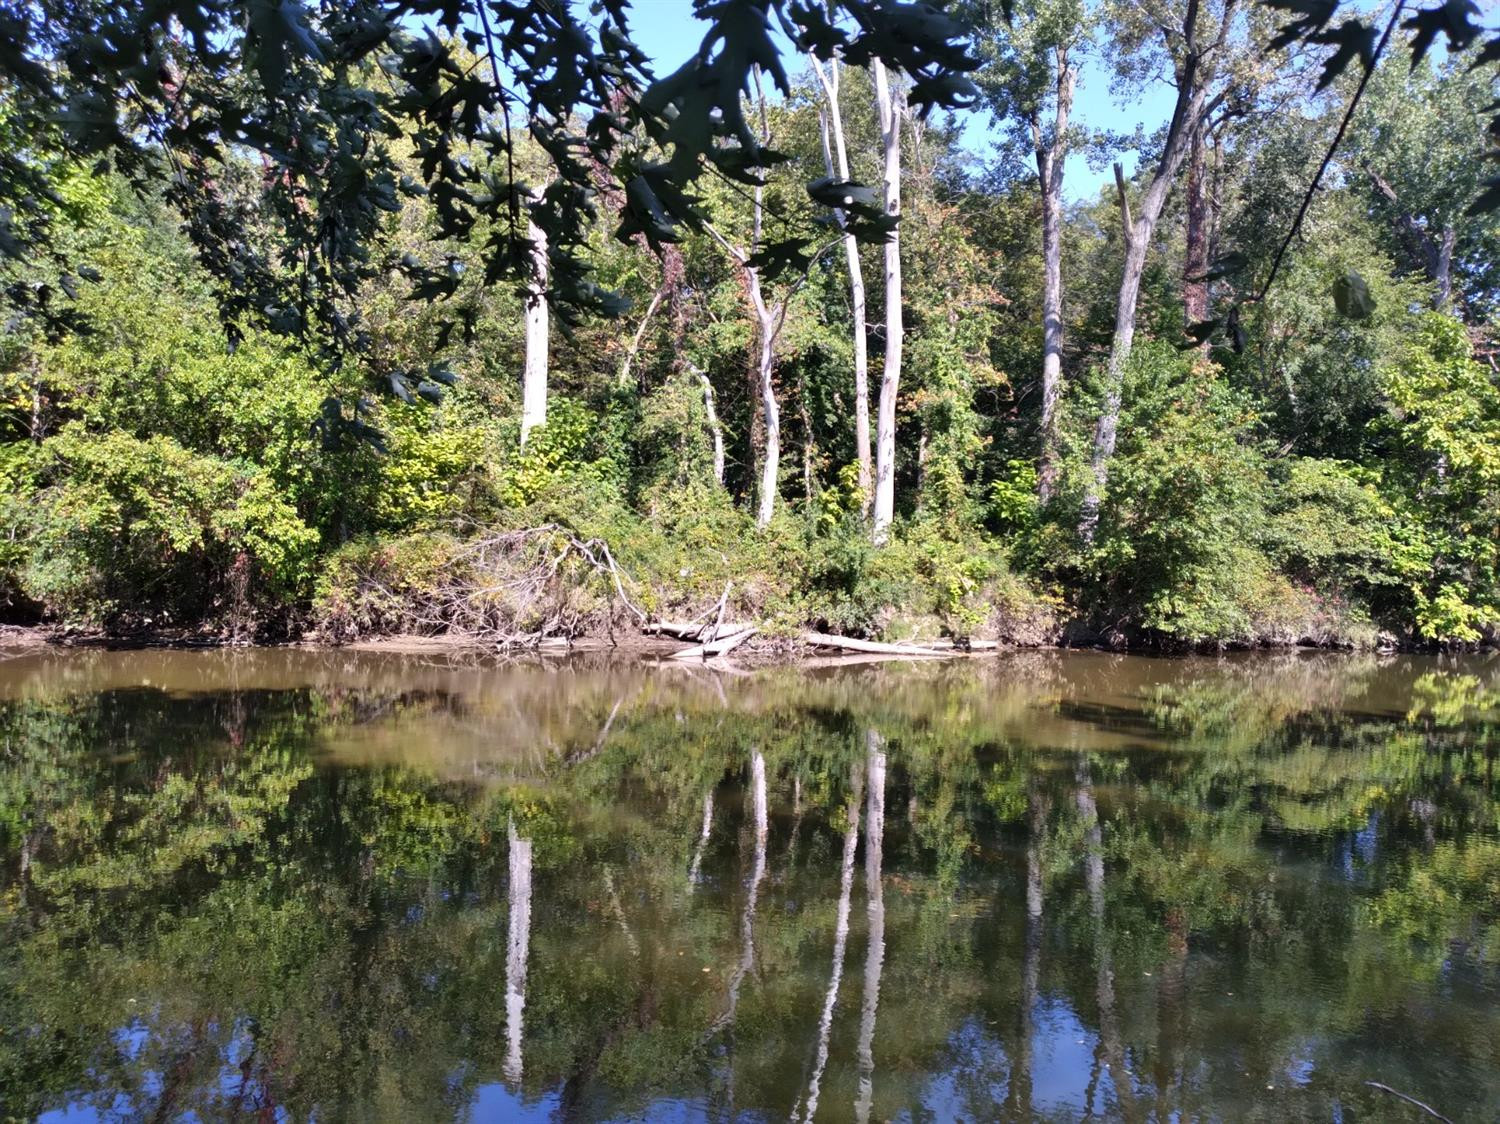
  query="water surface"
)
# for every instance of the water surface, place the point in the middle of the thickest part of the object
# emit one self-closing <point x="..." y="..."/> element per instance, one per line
<point x="293" y="885"/>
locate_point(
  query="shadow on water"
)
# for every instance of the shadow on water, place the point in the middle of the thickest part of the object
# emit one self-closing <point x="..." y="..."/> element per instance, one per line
<point x="358" y="886"/>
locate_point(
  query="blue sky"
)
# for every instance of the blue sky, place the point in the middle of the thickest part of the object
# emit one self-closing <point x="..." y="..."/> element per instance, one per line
<point x="667" y="31"/>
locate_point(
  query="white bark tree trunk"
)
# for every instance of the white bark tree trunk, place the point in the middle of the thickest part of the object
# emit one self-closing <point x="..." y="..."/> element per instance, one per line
<point x="534" y="375"/>
<point x="770" y="469"/>
<point x="517" y="944"/>
<point x="836" y="158"/>
<point x="1051" y="156"/>
<point x="716" y="431"/>
<point x="888" y="105"/>
<point x="769" y="320"/>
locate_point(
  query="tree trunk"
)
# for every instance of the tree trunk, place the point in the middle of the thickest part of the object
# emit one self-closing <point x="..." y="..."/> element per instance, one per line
<point x="1188" y="114"/>
<point x="715" y="430"/>
<point x="1195" y="256"/>
<point x="534" y="375"/>
<point x="1443" y="275"/>
<point x="888" y="103"/>
<point x="1051" y="157"/>
<point x="770" y="470"/>
<point x="1436" y="256"/>
<point x="1138" y="232"/>
<point x="808" y="442"/>
<point x="769" y="320"/>
<point x="837" y="163"/>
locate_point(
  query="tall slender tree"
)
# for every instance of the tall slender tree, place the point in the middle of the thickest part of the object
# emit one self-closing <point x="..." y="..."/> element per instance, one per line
<point x="1029" y="75"/>
<point x="1194" y="42"/>
<point x="890" y="106"/>
<point x="836" y="159"/>
<point x="538" y="328"/>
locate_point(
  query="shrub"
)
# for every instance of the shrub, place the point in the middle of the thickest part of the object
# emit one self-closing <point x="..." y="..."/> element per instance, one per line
<point x="1176" y="549"/>
<point x="124" y="528"/>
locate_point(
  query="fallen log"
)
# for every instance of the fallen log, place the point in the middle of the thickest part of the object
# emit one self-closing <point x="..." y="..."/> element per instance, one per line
<point x="680" y="629"/>
<point x="850" y="644"/>
<point x="724" y="644"/>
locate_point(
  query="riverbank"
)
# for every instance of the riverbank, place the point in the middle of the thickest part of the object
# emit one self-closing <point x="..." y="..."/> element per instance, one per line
<point x="780" y="596"/>
<point x="760" y="649"/>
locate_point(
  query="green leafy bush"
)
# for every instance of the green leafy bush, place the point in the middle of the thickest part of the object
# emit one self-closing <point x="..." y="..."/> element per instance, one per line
<point x="129" y="528"/>
<point x="1176" y="551"/>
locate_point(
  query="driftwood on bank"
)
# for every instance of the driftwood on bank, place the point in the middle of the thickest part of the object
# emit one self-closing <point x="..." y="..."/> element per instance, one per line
<point x="850" y="644"/>
<point x="719" y="640"/>
<point x="724" y="644"/>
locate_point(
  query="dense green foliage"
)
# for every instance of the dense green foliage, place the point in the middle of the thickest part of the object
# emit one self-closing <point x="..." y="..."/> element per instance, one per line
<point x="1322" y="469"/>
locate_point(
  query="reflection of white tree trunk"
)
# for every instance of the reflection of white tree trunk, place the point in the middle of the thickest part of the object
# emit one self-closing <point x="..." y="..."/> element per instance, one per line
<point x="840" y="941"/>
<point x="875" y="954"/>
<point x="516" y="947"/>
<point x="618" y="909"/>
<point x="1109" y="1023"/>
<point x="1031" y="965"/>
<point x="757" y="875"/>
<point x="708" y="826"/>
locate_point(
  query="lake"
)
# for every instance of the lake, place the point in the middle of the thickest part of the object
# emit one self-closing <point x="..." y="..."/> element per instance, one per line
<point x="296" y="885"/>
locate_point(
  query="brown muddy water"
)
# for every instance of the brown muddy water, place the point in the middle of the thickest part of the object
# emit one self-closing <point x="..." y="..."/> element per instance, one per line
<point x="298" y="885"/>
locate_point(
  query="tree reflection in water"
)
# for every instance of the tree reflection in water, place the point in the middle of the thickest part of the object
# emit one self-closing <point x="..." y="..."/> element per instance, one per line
<point x="286" y="883"/>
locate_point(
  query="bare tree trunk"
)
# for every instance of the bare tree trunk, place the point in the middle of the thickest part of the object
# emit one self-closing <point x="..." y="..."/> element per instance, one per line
<point x="840" y="943"/>
<point x="837" y="162"/>
<point x="640" y="335"/>
<point x="1195" y="256"/>
<point x="1194" y="70"/>
<point x="770" y="471"/>
<point x="1138" y="232"/>
<point x="769" y="320"/>
<point x="534" y="375"/>
<point x="807" y="442"/>
<point x="1443" y="275"/>
<point x="516" y="948"/>
<point x="715" y="430"/>
<point x="1051" y="157"/>
<point x="875" y="951"/>
<point x="888" y="104"/>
